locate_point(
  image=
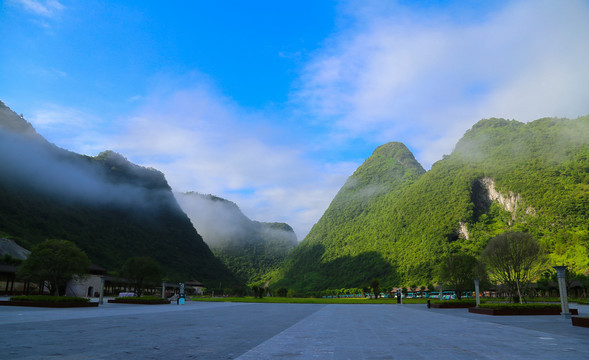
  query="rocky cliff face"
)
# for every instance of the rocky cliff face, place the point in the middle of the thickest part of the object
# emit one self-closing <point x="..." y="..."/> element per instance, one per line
<point x="485" y="192"/>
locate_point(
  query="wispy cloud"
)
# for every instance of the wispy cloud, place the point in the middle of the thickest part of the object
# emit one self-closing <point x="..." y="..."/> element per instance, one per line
<point x="424" y="79"/>
<point x="70" y="128"/>
<point x="47" y="9"/>
<point x="204" y="142"/>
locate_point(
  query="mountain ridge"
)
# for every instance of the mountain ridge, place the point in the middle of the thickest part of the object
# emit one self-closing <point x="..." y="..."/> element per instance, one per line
<point x="503" y="175"/>
<point x="249" y="248"/>
<point x="111" y="208"/>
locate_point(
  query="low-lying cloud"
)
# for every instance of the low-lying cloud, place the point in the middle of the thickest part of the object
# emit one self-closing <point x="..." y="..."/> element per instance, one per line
<point x="221" y="222"/>
<point x="30" y="162"/>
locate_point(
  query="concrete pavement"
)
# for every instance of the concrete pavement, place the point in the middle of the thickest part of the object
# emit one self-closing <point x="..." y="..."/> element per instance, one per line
<point x="200" y="330"/>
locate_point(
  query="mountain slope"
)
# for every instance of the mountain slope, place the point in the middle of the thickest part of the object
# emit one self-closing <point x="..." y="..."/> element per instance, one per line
<point x="502" y="175"/>
<point x="109" y="207"/>
<point x="343" y="249"/>
<point x="249" y="248"/>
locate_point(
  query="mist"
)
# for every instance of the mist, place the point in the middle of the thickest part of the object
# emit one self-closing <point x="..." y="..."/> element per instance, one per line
<point x="559" y="134"/>
<point x="220" y="222"/>
<point x="28" y="161"/>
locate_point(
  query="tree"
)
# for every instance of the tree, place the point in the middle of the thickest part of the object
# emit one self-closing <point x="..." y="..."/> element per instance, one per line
<point x="259" y="291"/>
<point x="141" y="271"/>
<point x="282" y="291"/>
<point x="514" y="259"/>
<point x="55" y="262"/>
<point x="458" y="271"/>
<point x="544" y="285"/>
<point x="375" y="285"/>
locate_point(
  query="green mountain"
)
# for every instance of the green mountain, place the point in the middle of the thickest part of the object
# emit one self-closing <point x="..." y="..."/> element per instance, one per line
<point x="393" y="221"/>
<point x="109" y="207"/>
<point x="249" y="248"/>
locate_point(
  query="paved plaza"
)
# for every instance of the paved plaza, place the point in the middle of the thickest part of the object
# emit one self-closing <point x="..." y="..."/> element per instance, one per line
<point x="203" y="330"/>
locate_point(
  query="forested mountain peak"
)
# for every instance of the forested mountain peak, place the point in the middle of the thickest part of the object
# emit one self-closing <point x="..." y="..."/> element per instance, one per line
<point x="399" y="152"/>
<point x="119" y="169"/>
<point x="389" y="166"/>
<point x="503" y="175"/>
<point x="11" y="122"/>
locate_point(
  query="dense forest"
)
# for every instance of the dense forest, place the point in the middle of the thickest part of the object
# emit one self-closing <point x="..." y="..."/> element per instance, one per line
<point x="250" y="249"/>
<point x="111" y="208"/>
<point x="394" y="221"/>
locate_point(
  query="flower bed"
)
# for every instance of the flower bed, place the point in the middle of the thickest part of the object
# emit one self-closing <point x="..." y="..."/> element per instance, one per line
<point x="581" y="321"/>
<point x="48" y="301"/>
<point x="450" y="305"/>
<point x="519" y="309"/>
<point x="453" y="304"/>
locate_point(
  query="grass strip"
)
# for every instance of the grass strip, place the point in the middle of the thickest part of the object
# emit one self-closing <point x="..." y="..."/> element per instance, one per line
<point x="285" y="300"/>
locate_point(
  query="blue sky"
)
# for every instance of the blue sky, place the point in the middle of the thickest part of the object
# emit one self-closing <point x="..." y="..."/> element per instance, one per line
<point x="273" y="104"/>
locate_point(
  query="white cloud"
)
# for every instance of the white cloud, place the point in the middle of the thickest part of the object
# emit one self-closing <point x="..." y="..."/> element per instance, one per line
<point x="70" y="128"/>
<point x="425" y="80"/>
<point x="203" y="142"/>
<point x="48" y="9"/>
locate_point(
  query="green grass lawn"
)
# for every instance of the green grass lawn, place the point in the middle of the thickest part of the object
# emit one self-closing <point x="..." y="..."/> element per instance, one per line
<point x="309" y="300"/>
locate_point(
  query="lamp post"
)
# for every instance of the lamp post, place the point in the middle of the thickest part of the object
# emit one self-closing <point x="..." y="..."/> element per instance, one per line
<point x="564" y="299"/>
<point x="477" y="291"/>
<point x="163" y="289"/>
<point x="101" y="299"/>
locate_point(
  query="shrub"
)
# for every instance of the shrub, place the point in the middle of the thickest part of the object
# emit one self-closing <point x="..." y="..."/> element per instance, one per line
<point x="462" y="301"/>
<point x="518" y="306"/>
<point x="48" y="298"/>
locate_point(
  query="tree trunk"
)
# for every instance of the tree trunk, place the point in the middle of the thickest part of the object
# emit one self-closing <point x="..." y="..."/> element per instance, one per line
<point x="519" y="294"/>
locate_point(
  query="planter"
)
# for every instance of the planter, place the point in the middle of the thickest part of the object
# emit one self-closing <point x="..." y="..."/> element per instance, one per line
<point x="581" y="321"/>
<point x="452" y="306"/>
<point x="139" y="302"/>
<point x="500" y="312"/>
<point x="49" y="304"/>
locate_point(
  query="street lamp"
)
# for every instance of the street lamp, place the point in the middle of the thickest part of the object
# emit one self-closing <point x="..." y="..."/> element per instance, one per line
<point x="477" y="291"/>
<point x="564" y="299"/>
<point x="101" y="300"/>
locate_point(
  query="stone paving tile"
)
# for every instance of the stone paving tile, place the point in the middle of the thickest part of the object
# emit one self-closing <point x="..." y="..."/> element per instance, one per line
<point x="411" y="332"/>
<point x="284" y="331"/>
